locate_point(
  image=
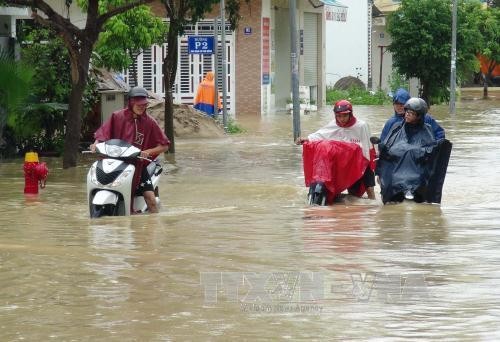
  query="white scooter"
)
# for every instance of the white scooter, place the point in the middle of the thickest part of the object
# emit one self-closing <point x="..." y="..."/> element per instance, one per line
<point x="109" y="180"/>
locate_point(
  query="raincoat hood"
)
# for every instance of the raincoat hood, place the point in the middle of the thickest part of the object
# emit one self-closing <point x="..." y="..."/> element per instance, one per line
<point x="209" y="76"/>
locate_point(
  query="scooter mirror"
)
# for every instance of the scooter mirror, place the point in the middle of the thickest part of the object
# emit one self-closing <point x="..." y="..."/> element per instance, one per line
<point x="375" y="140"/>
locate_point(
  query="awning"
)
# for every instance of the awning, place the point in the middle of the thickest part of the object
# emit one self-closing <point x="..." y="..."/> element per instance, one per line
<point x="333" y="3"/>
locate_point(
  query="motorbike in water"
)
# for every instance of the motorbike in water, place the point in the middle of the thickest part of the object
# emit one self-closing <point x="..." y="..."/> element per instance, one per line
<point x="330" y="167"/>
<point x="110" y="180"/>
<point x="409" y="169"/>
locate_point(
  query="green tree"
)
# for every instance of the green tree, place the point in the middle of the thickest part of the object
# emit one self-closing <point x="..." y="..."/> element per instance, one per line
<point x="180" y="13"/>
<point x="40" y="123"/>
<point x="44" y="50"/>
<point x="79" y="42"/>
<point x="15" y="83"/>
<point x="126" y="35"/>
<point x="490" y="47"/>
<point x="421" y="42"/>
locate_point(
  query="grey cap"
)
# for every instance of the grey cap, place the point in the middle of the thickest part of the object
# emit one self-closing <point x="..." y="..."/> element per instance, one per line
<point x="138" y="92"/>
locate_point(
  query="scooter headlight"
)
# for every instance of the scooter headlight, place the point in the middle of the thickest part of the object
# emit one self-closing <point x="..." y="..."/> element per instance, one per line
<point x="113" y="151"/>
<point x="118" y="181"/>
<point x="93" y="175"/>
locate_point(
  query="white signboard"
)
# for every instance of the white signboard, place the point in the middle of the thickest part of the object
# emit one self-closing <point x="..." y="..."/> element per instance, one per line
<point x="335" y="13"/>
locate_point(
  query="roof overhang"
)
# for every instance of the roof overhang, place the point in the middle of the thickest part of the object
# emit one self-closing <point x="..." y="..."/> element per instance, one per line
<point x="386" y="6"/>
<point x="18" y="12"/>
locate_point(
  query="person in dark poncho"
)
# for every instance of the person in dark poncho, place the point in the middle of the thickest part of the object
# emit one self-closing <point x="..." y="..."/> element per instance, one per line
<point x="412" y="162"/>
<point x="398" y="100"/>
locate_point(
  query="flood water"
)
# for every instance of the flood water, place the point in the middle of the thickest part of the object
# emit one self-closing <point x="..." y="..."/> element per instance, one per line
<point x="235" y="252"/>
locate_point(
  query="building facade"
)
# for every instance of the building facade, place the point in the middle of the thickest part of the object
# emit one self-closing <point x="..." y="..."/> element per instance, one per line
<point x="348" y="43"/>
<point x="257" y="57"/>
<point x="258" y="54"/>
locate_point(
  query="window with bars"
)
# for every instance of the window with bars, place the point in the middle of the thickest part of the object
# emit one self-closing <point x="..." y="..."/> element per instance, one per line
<point x="190" y="68"/>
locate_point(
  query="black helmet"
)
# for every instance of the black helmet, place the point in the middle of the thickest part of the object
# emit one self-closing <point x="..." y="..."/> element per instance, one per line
<point x="418" y="105"/>
<point x="137" y="92"/>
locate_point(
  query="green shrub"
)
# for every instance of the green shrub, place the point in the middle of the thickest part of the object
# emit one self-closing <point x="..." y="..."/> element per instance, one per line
<point x="233" y="127"/>
<point x="357" y="96"/>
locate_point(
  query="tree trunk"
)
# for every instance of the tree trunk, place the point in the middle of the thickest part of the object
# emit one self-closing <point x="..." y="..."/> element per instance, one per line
<point x="79" y="75"/>
<point x="134" y="56"/>
<point x="425" y="93"/>
<point x="169" y="72"/>
<point x="485" y="86"/>
<point x="169" y="120"/>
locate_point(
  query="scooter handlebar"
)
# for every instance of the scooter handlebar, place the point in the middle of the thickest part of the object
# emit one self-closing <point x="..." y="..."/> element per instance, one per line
<point x="138" y="157"/>
<point x="149" y="160"/>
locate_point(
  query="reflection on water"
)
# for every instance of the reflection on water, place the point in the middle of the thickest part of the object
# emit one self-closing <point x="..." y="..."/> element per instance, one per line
<point x="235" y="206"/>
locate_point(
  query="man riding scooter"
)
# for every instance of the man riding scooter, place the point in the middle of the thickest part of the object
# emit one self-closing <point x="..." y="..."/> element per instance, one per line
<point x="135" y="126"/>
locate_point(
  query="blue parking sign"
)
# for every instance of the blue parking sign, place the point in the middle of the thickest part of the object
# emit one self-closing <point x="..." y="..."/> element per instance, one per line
<point x="201" y="45"/>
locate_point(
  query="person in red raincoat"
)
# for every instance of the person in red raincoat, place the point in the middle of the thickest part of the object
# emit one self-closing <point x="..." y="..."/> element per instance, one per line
<point x="138" y="128"/>
<point x="340" y="154"/>
<point x="205" y="96"/>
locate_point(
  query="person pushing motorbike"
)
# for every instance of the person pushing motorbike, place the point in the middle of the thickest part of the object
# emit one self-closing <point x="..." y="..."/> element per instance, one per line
<point x="401" y="96"/>
<point x="412" y="162"/>
<point x="134" y="125"/>
<point x="347" y="128"/>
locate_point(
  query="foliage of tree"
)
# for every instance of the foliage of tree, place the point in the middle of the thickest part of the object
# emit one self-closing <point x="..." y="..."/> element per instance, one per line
<point x="15" y="82"/>
<point x="39" y="123"/>
<point x="490" y="34"/>
<point x="126" y="35"/>
<point x="180" y="13"/>
<point x="421" y="42"/>
<point x="44" y="50"/>
<point x="79" y="42"/>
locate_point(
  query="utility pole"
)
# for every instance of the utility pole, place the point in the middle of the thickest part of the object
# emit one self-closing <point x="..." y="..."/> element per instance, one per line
<point x="295" y="69"/>
<point x="224" y="64"/>
<point x="453" y="73"/>
<point x="216" y="77"/>
<point x="381" y="65"/>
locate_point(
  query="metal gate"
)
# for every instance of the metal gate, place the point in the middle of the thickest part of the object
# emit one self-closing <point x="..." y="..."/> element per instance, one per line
<point x="310" y="60"/>
<point x="190" y="68"/>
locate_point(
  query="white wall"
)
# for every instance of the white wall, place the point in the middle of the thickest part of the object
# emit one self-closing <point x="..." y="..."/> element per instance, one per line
<point x="347" y="44"/>
<point x="74" y="13"/>
<point x="380" y="40"/>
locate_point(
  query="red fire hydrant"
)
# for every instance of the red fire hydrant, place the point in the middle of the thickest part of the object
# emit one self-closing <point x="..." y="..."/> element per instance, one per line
<point x="35" y="173"/>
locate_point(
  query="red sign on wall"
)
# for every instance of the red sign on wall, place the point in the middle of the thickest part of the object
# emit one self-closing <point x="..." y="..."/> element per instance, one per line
<point x="266" y="50"/>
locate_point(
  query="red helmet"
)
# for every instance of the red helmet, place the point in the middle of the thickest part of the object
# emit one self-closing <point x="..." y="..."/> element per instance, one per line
<point x="342" y="107"/>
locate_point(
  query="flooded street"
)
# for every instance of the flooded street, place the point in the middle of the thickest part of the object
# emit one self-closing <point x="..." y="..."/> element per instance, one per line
<point x="235" y="252"/>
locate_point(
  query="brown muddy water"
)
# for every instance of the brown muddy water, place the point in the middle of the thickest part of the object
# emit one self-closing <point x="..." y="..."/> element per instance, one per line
<point x="235" y="252"/>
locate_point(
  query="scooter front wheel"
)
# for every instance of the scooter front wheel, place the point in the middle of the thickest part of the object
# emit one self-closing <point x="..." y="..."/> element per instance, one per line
<point x="317" y="194"/>
<point x="96" y="211"/>
<point x="103" y="210"/>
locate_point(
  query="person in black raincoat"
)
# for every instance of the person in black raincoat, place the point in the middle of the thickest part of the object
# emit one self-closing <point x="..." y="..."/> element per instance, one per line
<point x="412" y="163"/>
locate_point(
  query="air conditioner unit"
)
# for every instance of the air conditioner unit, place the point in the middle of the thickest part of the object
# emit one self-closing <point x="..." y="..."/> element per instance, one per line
<point x="379" y="21"/>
